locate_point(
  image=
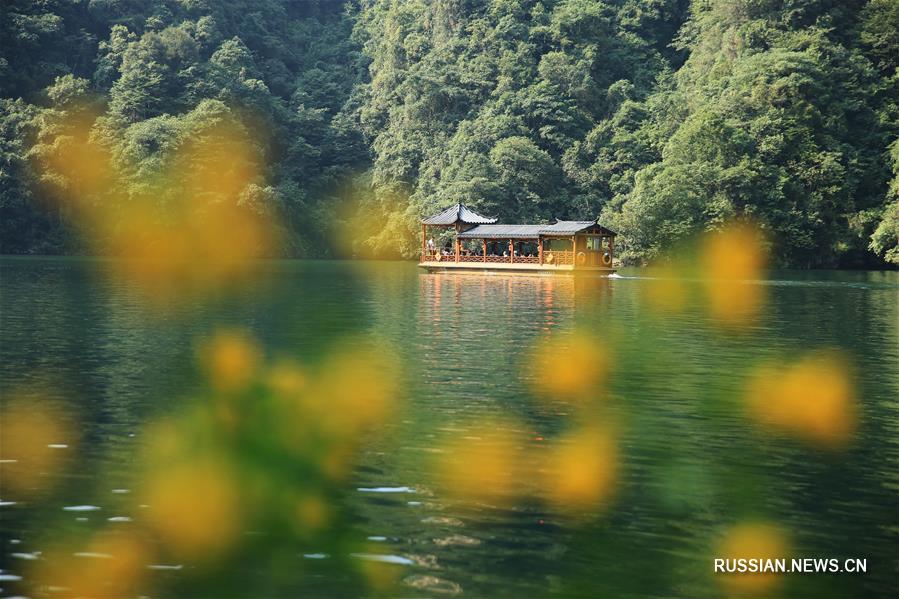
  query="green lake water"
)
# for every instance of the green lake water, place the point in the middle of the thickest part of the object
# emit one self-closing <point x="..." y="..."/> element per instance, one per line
<point x="692" y="463"/>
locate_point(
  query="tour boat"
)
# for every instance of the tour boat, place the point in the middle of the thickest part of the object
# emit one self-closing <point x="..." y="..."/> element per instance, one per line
<point x="482" y="245"/>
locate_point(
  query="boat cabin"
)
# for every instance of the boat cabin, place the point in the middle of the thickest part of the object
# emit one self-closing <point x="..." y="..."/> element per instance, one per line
<point x="479" y="243"/>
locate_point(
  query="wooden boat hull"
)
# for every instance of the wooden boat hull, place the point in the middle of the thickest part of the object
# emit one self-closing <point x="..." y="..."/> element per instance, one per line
<point x="502" y="267"/>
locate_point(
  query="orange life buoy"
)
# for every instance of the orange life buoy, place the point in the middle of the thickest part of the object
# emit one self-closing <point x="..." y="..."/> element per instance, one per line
<point x="607" y="259"/>
<point x="581" y="258"/>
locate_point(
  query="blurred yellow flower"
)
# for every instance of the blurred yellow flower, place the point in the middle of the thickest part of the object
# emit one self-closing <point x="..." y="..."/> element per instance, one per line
<point x="581" y="471"/>
<point x="193" y="505"/>
<point x="484" y="465"/>
<point x="572" y="367"/>
<point x="111" y="565"/>
<point x="812" y="398"/>
<point x="231" y="359"/>
<point x="188" y="227"/>
<point x="355" y="389"/>
<point x="294" y="409"/>
<point x="34" y="436"/>
<point x="751" y="541"/>
<point x="336" y="461"/>
<point x="312" y="513"/>
<point x="287" y="380"/>
<point x="732" y="261"/>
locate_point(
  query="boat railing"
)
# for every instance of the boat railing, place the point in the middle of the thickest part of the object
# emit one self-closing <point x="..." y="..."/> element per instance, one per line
<point x="436" y="256"/>
<point x="558" y="257"/>
<point x="550" y="258"/>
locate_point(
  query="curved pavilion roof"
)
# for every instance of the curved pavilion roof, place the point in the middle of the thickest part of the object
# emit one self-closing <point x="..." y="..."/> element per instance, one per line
<point x="457" y="213"/>
<point x="562" y="227"/>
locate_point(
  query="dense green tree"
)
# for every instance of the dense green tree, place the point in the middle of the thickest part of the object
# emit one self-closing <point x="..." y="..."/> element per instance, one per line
<point x="665" y="117"/>
<point x="885" y="240"/>
<point x="879" y="33"/>
<point x="777" y="120"/>
<point x="492" y="105"/>
<point x="24" y="226"/>
<point x="148" y="75"/>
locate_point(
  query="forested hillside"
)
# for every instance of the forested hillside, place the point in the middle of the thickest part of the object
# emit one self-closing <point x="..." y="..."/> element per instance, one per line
<point x="662" y="117"/>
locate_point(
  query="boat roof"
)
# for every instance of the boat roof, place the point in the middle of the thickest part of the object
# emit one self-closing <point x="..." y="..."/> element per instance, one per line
<point x="558" y="228"/>
<point x="458" y="213"/>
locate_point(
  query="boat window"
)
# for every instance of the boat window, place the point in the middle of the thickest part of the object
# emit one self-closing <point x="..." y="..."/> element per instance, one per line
<point x="594" y="244"/>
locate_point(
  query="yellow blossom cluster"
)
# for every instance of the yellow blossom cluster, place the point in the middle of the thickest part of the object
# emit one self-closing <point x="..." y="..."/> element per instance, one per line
<point x="811" y="398"/>
<point x="202" y="481"/>
<point x="36" y="434"/>
<point x="497" y="461"/>
<point x="267" y="449"/>
<point x="726" y="266"/>
<point x="186" y="228"/>
<point x="109" y="565"/>
<point x="751" y="540"/>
